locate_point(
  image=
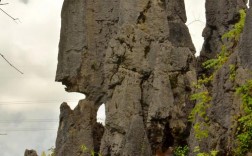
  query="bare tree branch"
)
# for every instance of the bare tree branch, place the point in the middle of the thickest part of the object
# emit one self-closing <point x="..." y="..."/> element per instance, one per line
<point x="4" y="3"/>
<point x="11" y="64"/>
<point x="3" y="134"/>
<point x="14" y="19"/>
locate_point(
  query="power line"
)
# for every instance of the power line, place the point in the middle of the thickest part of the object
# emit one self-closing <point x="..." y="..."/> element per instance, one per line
<point x="27" y="130"/>
<point x="30" y="121"/>
<point x="2" y="103"/>
<point x="41" y="100"/>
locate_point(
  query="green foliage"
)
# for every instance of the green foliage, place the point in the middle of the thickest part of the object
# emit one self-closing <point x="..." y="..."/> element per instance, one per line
<point x="238" y="28"/>
<point x="43" y="154"/>
<point x="197" y="150"/>
<point x="201" y="106"/>
<point x="244" y="130"/>
<point x="232" y="74"/>
<point x="201" y="130"/>
<point x="181" y="151"/>
<point x="218" y="62"/>
<point x="51" y="152"/>
<point x="212" y="153"/>
<point x="233" y="35"/>
<point x="204" y="80"/>
<point x="92" y="152"/>
<point x="200" y="127"/>
<point x="203" y="98"/>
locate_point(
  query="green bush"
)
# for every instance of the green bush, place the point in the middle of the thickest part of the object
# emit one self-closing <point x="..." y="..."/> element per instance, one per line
<point x="181" y="151"/>
<point x="244" y="130"/>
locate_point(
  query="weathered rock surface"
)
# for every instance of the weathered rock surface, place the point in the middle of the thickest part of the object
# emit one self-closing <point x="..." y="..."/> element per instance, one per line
<point x="137" y="57"/>
<point x="221" y="15"/>
<point x="245" y="54"/>
<point x="87" y="27"/>
<point x="78" y="127"/>
<point x="148" y="69"/>
<point x="225" y="103"/>
<point x="30" y="153"/>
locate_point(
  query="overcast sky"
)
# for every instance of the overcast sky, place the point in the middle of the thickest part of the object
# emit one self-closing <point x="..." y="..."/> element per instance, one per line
<point x="34" y="98"/>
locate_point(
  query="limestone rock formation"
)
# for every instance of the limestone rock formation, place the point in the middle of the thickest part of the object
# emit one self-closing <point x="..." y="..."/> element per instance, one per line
<point x="138" y="59"/>
<point x="30" y="153"/>
<point x="225" y="104"/>
<point x="220" y="17"/>
<point x="78" y="127"/>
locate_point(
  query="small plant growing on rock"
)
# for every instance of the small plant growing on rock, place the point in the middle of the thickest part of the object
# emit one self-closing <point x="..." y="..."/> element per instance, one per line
<point x="244" y="130"/>
<point x="197" y="150"/>
<point x="181" y="151"/>
<point x="92" y="152"/>
<point x="51" y="152"/>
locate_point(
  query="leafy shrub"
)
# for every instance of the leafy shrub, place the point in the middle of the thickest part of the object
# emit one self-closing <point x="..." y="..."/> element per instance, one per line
<point x="181" y="151"/>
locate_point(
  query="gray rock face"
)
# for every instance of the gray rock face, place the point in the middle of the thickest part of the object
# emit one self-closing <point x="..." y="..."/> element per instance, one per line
<point x="245" y="51"/>
<point x="78" y="127"/>
<point x="30" y="153"/>
<point x="137" y="58"/>
<point x="148" y="75"/>
<point x="225" y="103"/>
<point x="87" y="27"/>
<point x="221" y="15"/>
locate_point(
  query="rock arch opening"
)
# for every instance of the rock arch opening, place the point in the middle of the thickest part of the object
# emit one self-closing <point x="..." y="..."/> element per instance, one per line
<point x="101" y="114"/>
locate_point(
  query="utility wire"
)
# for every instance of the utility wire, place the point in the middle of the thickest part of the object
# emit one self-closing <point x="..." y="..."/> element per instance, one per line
<point x="9" y="62"/>
<point x="39" y="101"/>
<point x="47" y="102"/>
<point x="4" y="3"/>
<point x="27" y="130"/>
<point x="28" y="121"/>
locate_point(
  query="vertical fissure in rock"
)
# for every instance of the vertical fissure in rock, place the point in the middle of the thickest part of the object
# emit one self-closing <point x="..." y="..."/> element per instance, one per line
<point x="145" y="107"/>
<point x="142" y="17"/>
<point x="168" y="140"/>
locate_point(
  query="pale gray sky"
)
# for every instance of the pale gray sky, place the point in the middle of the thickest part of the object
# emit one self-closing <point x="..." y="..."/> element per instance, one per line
<point x="34" y="97"/>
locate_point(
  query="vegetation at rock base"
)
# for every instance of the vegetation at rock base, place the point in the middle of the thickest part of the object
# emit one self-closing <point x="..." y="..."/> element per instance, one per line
<point x="91" y="152"/>
<point x="244" y="130"/>
<point x="51" y="152"/>
<point x="201" y="126"/>
<point x="197" y="150"/>
<point x="181" y="151"/>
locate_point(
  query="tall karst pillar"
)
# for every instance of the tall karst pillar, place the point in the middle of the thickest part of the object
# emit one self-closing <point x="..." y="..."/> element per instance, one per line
<point x="137" y="57"/>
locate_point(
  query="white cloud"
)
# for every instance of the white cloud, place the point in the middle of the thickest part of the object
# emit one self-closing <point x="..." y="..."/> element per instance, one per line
<point x="32" y="46"/>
